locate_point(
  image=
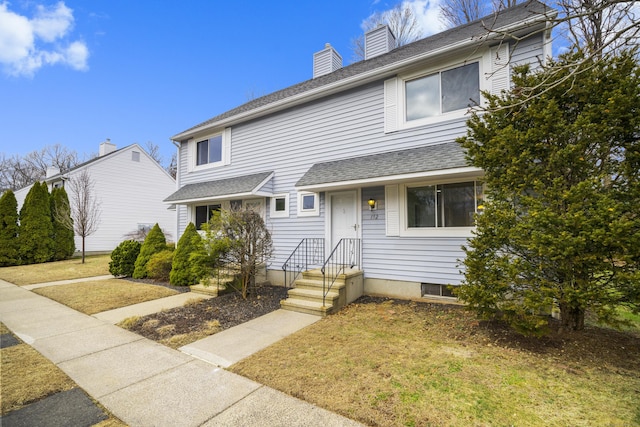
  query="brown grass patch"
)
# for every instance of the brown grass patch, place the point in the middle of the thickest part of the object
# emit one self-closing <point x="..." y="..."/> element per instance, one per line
<point x="101" y="295"/>
<point x="418" y="364"/>
<point x="28" y="377"/>
<point x="97" y="265"/>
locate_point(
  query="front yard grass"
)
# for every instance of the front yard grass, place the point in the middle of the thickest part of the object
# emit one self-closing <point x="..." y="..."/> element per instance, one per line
<point x="96" y="265"/>
<point x="93" y="297"/>
<point x="417" y="364"/>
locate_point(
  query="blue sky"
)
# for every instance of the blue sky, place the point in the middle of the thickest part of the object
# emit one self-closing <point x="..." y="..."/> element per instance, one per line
<point x="77" y="72"/>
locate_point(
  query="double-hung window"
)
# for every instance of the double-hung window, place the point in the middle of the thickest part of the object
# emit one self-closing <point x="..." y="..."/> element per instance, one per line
<point x="442" y="92"/>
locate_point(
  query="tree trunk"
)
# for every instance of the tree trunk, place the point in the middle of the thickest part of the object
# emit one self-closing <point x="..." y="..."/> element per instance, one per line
<point x="572" y="317"/>
<point x="83" y="249"/>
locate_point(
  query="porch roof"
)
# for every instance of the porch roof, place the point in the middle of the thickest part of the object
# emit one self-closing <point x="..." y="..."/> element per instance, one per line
<point x="227" y="188"/>
<point x="394" y="165"/>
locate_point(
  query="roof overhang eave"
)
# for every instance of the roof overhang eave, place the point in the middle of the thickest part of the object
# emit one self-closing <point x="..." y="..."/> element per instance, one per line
<point x="461" y="172"/>
<point x="359" y="79"/>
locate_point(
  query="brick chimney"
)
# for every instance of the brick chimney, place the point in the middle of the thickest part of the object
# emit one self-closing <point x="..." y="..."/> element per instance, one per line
<point x="326" y="61"/>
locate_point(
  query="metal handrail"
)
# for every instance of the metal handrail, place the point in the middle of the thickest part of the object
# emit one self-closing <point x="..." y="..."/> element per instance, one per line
<point x="345" y="253"/>
<point x="308" y="253"/>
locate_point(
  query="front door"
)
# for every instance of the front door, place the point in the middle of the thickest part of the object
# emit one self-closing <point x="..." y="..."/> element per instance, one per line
<point x="343" y="216"/>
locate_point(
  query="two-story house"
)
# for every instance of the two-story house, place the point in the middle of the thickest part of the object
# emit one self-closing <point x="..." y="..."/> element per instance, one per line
<point x="129" y="187"/>
<point x="365" y="152"/>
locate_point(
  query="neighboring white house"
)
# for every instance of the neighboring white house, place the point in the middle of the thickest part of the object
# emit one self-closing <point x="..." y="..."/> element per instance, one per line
<point x="130" y="187"/>
<point x="365" y="152"/>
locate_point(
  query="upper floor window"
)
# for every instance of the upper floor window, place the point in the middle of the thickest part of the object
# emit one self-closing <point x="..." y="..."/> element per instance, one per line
<point x="209" y="150"/>
<point x="442" y="92"/>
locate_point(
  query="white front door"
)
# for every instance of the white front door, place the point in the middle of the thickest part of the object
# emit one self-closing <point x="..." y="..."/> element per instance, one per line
<point x="344" y="216"/>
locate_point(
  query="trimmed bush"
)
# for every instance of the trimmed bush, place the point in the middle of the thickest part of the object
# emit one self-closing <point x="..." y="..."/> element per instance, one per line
<point x="159" y="266"/>
<point x="63" y="243"/>
<point x="123" y="258"/>
<point x="182" y="273"/>
<point x="8" y="229"/>
<point x="154" y="242"/>
<point x="36" y="229"/>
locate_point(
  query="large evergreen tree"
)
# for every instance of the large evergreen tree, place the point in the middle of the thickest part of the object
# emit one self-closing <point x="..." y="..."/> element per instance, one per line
<point x="8" y="229"/>
<point x="561" y="224"/>
<point x="36" y="228"/>
<point x="154" y="242"/>
<point x="63" y="236"/>
<point x="181" y="272"/>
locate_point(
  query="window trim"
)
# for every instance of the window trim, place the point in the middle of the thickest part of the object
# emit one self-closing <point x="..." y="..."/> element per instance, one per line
<point x="272" y="206"/>
<point x="316" y="204"/>
<point x="425" y="73"/>
<point x="225" y="155"/>
<point x="406" y="231"/>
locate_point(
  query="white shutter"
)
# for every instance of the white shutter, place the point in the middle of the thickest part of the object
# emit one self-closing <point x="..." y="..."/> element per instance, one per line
<point x="226" y="146"/>
<point x="391" y="105"/>
<point x="391" y="210"/>
<point x="500" y="68"/>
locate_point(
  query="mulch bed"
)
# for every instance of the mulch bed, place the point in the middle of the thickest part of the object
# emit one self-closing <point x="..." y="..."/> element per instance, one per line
<point x="228" y="309"/>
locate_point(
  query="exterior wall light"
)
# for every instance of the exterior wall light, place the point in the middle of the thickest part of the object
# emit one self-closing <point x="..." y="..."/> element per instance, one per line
<point x="372" y="204"/>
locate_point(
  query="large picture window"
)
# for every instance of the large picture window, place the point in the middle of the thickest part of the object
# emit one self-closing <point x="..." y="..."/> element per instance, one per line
<point x="442" y="92"/>
<point x="443" y="205"/>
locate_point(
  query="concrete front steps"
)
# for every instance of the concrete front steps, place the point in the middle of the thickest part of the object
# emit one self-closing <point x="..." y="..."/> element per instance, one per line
<point x="306" y="296"/>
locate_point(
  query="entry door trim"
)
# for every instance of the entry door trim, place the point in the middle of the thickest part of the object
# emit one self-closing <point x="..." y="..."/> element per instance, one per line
<point x="328" y="219"/>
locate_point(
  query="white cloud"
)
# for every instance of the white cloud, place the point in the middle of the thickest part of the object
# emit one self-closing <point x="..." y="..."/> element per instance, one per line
<point x="427" y="13"/>
<point x="26" y="44"/>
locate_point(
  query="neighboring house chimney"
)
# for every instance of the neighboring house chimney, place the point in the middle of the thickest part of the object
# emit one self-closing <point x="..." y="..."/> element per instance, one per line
<point x="378" y="41"/>
<point x="326" y="61"/>
<point x="52" y="171"/>
<point x="106" y="148"/>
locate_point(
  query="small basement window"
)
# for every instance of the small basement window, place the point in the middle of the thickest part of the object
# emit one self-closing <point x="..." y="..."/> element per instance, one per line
<point x="433" y="290"/>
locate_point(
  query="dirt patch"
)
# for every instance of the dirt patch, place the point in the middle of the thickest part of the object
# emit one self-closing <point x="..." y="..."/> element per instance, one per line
<point x="196" y="317"/>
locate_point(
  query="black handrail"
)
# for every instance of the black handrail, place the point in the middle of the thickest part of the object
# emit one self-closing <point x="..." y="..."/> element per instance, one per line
<point x="346" y="253"/>
<point x="308" y="253"/>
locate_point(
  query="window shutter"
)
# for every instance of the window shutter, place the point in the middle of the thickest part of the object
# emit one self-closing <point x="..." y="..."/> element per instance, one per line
<point x="500" y="68"/>
<point x="391" y="105"/>
<point x="391" y="204"/>
<point x="226" y="146"/>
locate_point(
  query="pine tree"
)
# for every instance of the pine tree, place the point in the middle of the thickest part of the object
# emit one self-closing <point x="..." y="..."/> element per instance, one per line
<point x="561" y="224"/>
<point x="181" y="272"/>
<point x="8" y="229"/>
<point x="36" y="228"/>
<point x="63" y="236"/>
<point x="153" y="243"/>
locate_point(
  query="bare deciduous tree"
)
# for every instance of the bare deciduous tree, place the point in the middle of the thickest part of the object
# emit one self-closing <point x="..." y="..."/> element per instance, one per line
<point x="172" y="167"/>
<point x="401" y="20"/>
<point x="458" y="12"/>
<point x="18" y="172"/>
<point x="84" y="209"/>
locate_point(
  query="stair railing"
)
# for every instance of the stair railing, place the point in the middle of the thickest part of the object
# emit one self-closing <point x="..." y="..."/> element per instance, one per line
<point x="309" y="253"/>
<point x="345" y="254"/>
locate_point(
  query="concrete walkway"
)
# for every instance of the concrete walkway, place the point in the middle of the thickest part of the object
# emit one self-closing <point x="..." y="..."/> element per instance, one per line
<point x="147" y="384"/>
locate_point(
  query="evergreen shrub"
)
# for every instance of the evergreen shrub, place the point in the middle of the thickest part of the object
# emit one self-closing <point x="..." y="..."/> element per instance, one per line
<point x="159" y="266"/>
<point x="154" y="242"/>
<point x="8" y="229"/>
<point x="123" y="258"/>
<point x="182" y="273"/>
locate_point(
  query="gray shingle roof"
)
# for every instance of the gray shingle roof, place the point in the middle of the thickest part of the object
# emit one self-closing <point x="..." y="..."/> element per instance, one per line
<point x="527" y="11"/>
<point x="221" y="187"/>
<point x="415" y="160"/>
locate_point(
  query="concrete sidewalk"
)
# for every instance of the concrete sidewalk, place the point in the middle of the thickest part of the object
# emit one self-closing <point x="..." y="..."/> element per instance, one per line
<point x="146" y="384"/>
